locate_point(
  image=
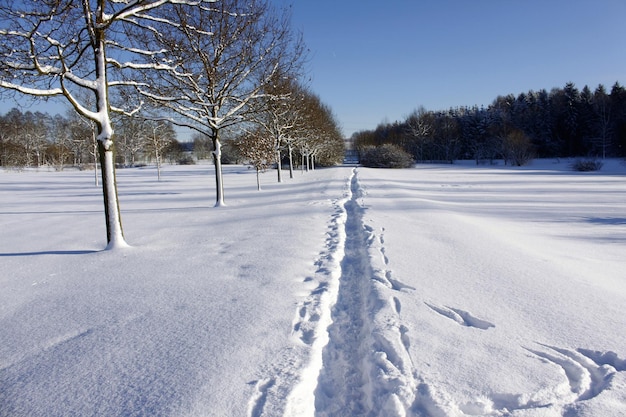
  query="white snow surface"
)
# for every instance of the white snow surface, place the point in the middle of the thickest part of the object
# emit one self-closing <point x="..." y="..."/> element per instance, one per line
<point x="441" y="290"/>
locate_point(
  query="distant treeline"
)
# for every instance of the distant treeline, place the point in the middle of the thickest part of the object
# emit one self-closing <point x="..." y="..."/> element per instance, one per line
<point x="564" y="122"/>
<point x="33" y="139"/>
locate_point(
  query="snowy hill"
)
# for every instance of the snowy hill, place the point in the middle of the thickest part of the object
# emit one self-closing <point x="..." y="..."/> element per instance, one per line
<point x="443" y="290"/>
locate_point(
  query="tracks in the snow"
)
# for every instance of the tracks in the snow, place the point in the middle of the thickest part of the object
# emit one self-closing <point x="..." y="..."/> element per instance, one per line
<point x="367" y="370"/>
<point x="343" y="380"/>
<point x="350" y="331"/>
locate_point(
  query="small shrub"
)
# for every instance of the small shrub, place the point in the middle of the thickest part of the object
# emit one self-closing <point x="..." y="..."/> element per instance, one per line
<point x="588" y="165"/>
<point x="518" y="149"/>
<point x="186" y="160"/>
<point x="386" y="156"/>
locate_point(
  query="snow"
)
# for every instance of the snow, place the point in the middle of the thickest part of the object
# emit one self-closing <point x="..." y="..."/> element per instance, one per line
<point x="442" y="290"/>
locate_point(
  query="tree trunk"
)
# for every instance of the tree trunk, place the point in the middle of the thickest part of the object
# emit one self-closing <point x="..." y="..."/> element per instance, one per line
<point x="113" y="218"/>
<point x="290" y="161"/>
<point x="158" y="162"/>
<point x="217" y="161"/>
<point x="258" y="180"/>
<point x="278" y="167"/>
<point x="115" y="234"/>
<point x="95" y="157"/>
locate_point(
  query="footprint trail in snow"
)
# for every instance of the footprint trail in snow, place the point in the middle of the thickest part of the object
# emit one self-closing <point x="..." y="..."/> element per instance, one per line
<point x="353" y="349"/>
<point x="366" y="366"/>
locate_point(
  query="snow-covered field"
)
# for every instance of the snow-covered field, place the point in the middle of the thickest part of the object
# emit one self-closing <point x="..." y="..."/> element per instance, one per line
<point x="435" y="291"/>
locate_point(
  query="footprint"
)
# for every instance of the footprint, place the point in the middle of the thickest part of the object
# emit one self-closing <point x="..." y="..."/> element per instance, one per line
<point x="462" y="317"/>
<point x="397" y="305"/>
<point x="605" y="358"/>
<point x="389" y="282"/>
<point x="472" y="321"/>
<point x="259" y="397"/>
<point x="397" y="285"/>
<point x="322" y="288"/>
<point x="404" y="337"/>
<point x="303" y="326"/>
<point x="586" y="377"/>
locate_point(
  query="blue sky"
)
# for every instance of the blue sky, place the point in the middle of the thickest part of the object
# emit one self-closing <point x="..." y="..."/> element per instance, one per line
<point x="374" y="61"/>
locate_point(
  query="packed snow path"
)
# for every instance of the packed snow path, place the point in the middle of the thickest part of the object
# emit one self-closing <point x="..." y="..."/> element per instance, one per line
<point x="363" y="364"/>
<point x="343" y="379"/>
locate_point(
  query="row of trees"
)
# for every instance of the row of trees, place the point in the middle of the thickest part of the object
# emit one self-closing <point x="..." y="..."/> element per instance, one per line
<point x="33" y="139"/>
<point x="292" y="126"/>
<point x="208" y="65"/>
<point x="564" y="122"/>
<point x="297" y="130"/>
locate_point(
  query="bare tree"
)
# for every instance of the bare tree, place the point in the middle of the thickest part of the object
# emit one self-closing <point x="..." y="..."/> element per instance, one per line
<point x="83" y="136"/>
<point x="222" y="57"/>
<point x="59" y="151"/>
<point x="319" y="135"/>
<point x="64" y="48"/>
<point x="131" y="139"/>
<point x="12" y="152"/>
<point x="517" y="148"/>
<point x="280" y="114"/>
<point x="160" y="136"/>
<point x="33" y="135"/>
<point x="259" y="150"/>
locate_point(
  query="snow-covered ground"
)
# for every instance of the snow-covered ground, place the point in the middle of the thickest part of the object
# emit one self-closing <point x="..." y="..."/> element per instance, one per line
<point x="443" y="290"/>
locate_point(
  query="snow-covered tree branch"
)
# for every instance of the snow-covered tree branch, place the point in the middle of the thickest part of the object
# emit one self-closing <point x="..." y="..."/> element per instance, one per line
<point x="281" y="114"/>
<point x="220" y="59"/>
<point x="78" y="49"/>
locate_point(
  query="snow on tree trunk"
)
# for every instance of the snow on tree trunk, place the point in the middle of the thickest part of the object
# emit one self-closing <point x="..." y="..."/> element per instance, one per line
<point x="95" y="157"/>
<point x="113" y="218"/>
<point x="115" y="234"/>
<point x="217" y="160"/>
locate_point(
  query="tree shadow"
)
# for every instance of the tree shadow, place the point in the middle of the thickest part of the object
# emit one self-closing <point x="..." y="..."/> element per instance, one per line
<point x="607" y="220"/>
<point x="50" y="252"/>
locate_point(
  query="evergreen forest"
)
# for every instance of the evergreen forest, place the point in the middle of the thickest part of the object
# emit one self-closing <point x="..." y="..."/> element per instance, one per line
<point x="564" y="122"/>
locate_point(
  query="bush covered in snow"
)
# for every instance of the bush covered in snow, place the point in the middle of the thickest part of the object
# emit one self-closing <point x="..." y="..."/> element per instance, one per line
<point x="385" y="156"/>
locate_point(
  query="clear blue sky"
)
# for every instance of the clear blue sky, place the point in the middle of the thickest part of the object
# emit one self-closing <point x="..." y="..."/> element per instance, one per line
<point x="374" y="61"/>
